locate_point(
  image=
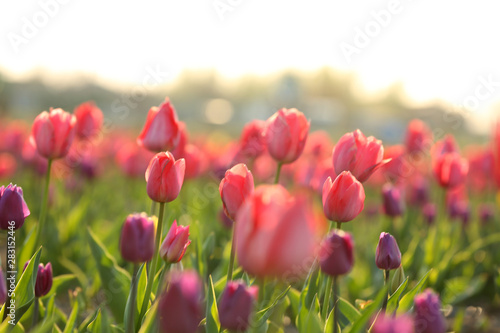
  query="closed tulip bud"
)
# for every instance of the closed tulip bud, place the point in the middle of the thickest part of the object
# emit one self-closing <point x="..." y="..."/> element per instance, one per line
<point x="418" y="137"/>
<point x="344" y="198"/>
<point x="236" y="305"/>
<point x="53" y="133"/>
<point x="252" y="141"/>
<point x="336" y="253"/>
<point x="388" y="255"/>
<point x="138" y="238"/>
<point x="161" y="131"/>
<point x="393" y="200"/>
<point x="165" y="176"/>
<point x="358" y="154"/>
<point x="43" y="282"/>
<point x="174" y="246"/>
<point x="13" y="208"/>
<point x="428" y="317"/>
<point x="389" y="324"/>
<point x="89" y="120"/>
<point x="429" y="212"/>
<point x="3" y="288"/>
<point x="450" y="170"/>
<point x="397" y="279"/>
<point x="286" y="134"/>
<point x="180" y="306"/>
<point x="236" y="186"/>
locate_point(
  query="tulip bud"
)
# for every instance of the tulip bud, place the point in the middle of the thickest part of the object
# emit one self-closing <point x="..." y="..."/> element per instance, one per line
<point x="429" y="212"/>
<point x="397" y="279"/>
<point x="138" y="238"/>
<point x="53" y="133"/>
<point x="236" y="186"/>
<point x="486" y="214"/>
<point x="252" y="141"/>
<point x="358" y="154"/>
<point x="336" y="253"/>
<point x="388" y="255"/>
<point x="236" y="305"/>
<point x="13" y="208"/>
<point x="450" y="170"/>
<point x="344" y="198"/>
<point x="180" y="306"/>
<point x="43" y="282"/>
<point x="3" y="288"/>
<point x="165" y="176"/>
<point x="8" y="165"/>
<point x="428" y="317"/>
<point x="389" y="324"/>
<point x="418" y="191"/>
<point x="161" y="131"/>
<point x="286" y="134"/>
<point x="174" y="246"/>
<point x="393" y="200"/>
<point x="418" y="137"/>
<point x="89" y="120"/>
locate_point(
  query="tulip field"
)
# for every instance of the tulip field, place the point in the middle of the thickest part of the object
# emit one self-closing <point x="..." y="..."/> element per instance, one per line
<point x="282" y="229"/>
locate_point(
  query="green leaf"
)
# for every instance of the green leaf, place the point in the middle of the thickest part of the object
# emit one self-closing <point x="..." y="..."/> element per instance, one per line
<point x="95" y="325"/>
<point x="461" y="288"/>
<point x="71" y="323"/>
<point x="28" y="248"/>
<point x="212" y="313"/>
<point x="59" y="284"/>
<point x="115" y="280"/>
<point x="347" y="312"/>
<point x="44" y="327"/>
<point x="149" y="324"/>
<point x="393" y="302"/>
<point x="368" y="312"/>
<point x="263" y="315"/>
<point x="407" y="301"/>
<point x="309" y="319"/>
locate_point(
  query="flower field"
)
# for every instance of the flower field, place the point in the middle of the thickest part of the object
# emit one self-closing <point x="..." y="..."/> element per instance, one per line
<point x="282" y="229"/>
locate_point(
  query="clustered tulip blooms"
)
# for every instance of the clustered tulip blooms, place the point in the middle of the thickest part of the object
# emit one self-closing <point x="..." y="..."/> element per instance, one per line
<point x="13" y="208"/>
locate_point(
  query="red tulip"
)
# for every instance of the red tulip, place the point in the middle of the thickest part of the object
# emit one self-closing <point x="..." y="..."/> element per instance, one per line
<point x="13" y="208"/>
<point x="286" y="135"/>
<point x="387" y="255"/>
<point x="53" y="133"/>
<point x="236" y="186"/>
<point x="358" y="154"/>
<point x="180" y="307"/>
<point x="174" y="246"/>
<point x="336" y="255"/>
<point x="428" y="316"/>
<point x="481" y="167"/>
<point x="179" y="149"/>
<point x="138" y="238"/>
<point x="418" y="137"/>
<point x="195" y="159"/>
<point x="161" y="131"/>
<point x="343" y="199"/>
<point x="236" y="305"/>
<point x="165" y="176"/>
<point x="275" y="234"/>
<point x="252" y="142"/>
<point x="89" y="120"/>
<point x="450" y="170"/>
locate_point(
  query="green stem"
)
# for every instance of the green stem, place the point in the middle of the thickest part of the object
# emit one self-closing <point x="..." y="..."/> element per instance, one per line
<point x="43" y="208"/>
<point x="326" y="299"/>
<point x="278" y="171"/>
<point x="133" y="295"/>
<point x="339" y="225"/>
<point x="231" y="258"/>
<point x="154" y="262"/>
<point x="152" y="210"/>
<point x="335" y="305"/>
<point x="386" y="283"/>
<point x="35" y="313"/>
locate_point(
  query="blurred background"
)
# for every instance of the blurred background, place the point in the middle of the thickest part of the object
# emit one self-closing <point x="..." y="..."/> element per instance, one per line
<point x="372" y="65"/>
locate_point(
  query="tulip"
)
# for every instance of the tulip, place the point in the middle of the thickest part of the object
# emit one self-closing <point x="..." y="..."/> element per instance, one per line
<point x="133" y="160"/>
<point x="252" y="141"/>
<point x="174" y="246"/>
<point x="194" y="158"/>
<point x="3" y="288"/>
<point x="286" y="134"/>
<point x="336" y="253"/>
<point x="53" y="133"/>
<point x="388" y="324"/>
<point x="8" y="165"/>
<point x="393" y="200"/>
<point x="236" y="186"/>
<point x="13" y="208"/>
<point x="447" y="145"/>
<point x="481" y="168"/>
<point x="89" y="120"/>
<point x="418" y="192"/>
<point x="450" y="170"/>
<point x="164" y="177"/>
<point x="486" y="214"/>
<point x="180" y="306"/>
<point x="418" y="137"/>
<point x="343" y="199"/>
<point x="179" y="149"/>
<point x="358" y="154"/>
<point x="398" y="167"/>
<point x="275" y="234"/>
<point x="428" y="317"/>
<point x="161" y="131"/>
<point x="137" y="238"/>
<point x="387" y="255"/>
<point x="43" y="282"/>
<point x="236" y="305"/>
<point x="429" y="212"/>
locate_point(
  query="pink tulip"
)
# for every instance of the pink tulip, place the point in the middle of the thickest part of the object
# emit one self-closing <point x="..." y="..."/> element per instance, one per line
<point x="428" y="316"/>
<point x="138" y="238"/>
<point x="161" y="131"/>
<point x="450" y="170"/>
<point x="89" y="120"/>
<point x="336" y="256"/>
<point x="418" y="137"/>
<point x="8" y="165"/>
<point x="133" y="160"/>
<point x="286" y="135"/>
<point x="358" y="154"/>
<point x="53" y="133"/>
<point x="165" y="176"/>
<point x="236" y="186"/>
<point x="174" y="246"/>
<point x="398" y="167"/>
<point x="252" y="141"/>
<point x="388" y="324"/>
<point x="343" y="199"/>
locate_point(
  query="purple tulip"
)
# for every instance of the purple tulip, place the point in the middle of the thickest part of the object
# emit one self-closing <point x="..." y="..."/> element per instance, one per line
<point x="336" y="253"/>
<point x="388" y="324"/>
<point x="388" y="255"/>
<point x="236" y="305"/>
<point x="137" y="242"/>
<point x="393" y="200"/>
<point x="13" y="208"/>
<point x="428" y="317"/>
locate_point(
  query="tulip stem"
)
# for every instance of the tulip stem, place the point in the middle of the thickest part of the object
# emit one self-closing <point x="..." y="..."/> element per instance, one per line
<point x="326" y="298"/>
<point x="339" y="225"/>
<point x="154" y="263"/>
<point x="231" y="258"/>
<point x="386" y="283"/>
<point x="133" y="301"/>
<point x="35" y="313"/>
<point x="335" y="303"/>
<point x="278" y="171"/>
<point x="43" y="208"/>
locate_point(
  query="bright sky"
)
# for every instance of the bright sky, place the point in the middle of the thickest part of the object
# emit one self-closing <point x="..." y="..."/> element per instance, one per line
<point x="439" y="49"/>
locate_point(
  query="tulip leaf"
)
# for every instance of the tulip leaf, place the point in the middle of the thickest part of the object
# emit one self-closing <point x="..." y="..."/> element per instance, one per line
<point x="149" y="323"/>
<point x="460" y="288"/>
<point x="309" y="319"/>
<point x="212" y="313"/>
<point x="407" y="301"/>
<point x="59" y="284"/>
<point x="368" y="312"/>
<point x="6" y="327"/>
<point x="28" y="248"/>
<point x="140" y="290"/>
<point x="115" y="280"/>
<point x="44" y="327"/>
<point x="71" y="323"/>
<point x="95" y="326"/>
<point x="348" y="313"/>
<point x="393" y="302"/>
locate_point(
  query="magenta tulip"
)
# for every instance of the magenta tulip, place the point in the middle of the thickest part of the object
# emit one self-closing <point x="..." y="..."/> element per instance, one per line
<point x="428" y="316"/>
